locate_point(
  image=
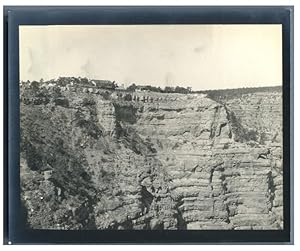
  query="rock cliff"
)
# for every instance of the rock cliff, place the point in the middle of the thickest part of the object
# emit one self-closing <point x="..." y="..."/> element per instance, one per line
<point x="117" y="160"/>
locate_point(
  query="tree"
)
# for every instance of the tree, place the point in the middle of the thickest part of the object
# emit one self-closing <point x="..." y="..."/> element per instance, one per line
<point x="132" y="87"/>
<point x="35" y="85"/>
<point x="179" y="89"/>
<point x="56" y="92"/>
<point x="114" y="85"/>
<point x="169" y="89"/>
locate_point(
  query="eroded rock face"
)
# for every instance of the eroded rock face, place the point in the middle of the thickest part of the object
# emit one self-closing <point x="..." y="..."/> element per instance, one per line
<point x="155" y="161"/>
<point x="262" y="113"/>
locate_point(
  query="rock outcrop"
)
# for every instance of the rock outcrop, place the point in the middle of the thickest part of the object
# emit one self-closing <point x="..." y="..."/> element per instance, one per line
<point x="101" y="160"/>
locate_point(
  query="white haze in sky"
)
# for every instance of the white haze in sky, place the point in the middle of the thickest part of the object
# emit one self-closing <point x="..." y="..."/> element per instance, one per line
<point x="199" y="56"/>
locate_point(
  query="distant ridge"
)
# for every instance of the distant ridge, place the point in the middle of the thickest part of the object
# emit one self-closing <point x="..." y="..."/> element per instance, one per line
<point x="226" y="94"/>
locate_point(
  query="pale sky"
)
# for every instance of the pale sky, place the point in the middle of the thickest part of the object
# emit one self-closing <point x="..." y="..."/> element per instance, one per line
<point x="199" y="56"/>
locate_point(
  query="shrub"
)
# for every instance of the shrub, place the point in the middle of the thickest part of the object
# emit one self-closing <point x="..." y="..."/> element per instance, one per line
<point x="252" y="135"/>
<point x="263" y="138"/>
<point x="62" y="102"/>
<point x="88" y="102"/>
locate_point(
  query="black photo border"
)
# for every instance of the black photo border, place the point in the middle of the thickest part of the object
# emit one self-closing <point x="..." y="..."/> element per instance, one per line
<point x="15" y="231"/>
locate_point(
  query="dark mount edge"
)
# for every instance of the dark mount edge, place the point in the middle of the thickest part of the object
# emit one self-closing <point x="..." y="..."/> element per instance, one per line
<point x="5" y="141"/>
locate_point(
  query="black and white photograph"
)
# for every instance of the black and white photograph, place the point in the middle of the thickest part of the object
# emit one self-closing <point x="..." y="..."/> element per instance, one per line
<point x="151" y="127"/>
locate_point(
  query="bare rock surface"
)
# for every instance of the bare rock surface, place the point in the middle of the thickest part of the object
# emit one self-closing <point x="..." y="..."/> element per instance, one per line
<point x="117" y="160"/>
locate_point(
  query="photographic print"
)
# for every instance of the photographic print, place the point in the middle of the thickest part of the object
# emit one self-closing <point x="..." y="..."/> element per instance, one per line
<point x="151" y="127"/>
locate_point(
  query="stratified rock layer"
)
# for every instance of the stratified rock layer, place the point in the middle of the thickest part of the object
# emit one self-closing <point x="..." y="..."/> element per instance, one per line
<point x="150" y="161"/>
<point x="261" y="112"/>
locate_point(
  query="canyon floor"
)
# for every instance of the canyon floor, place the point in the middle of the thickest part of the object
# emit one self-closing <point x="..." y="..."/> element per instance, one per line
<point x="146" y="160"/>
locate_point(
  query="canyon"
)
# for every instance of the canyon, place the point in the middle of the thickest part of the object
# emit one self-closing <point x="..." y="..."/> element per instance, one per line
<point x="108" y="159"/>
